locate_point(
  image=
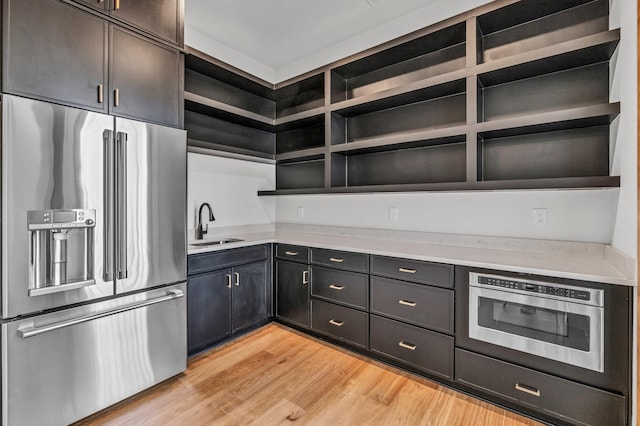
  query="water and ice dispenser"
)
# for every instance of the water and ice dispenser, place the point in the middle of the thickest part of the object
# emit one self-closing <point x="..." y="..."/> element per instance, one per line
<point x="61" y="250"/>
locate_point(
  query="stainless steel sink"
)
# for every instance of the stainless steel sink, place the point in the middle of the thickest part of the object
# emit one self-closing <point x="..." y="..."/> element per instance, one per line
<point x="215" y="242"/>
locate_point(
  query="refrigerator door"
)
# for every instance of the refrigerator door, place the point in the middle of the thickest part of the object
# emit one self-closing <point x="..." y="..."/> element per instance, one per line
<point x="69" y="364"/>
<point x="151" y="174"/>
<point x="53" y="165"/>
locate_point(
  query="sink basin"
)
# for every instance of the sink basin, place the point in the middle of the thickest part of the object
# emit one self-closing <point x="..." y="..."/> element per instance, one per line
<point x="215" y="242"/>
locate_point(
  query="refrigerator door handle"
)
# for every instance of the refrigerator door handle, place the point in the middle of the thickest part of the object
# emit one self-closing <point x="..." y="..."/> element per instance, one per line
<point x="31" y="331"/>
<point x="109" y="220"/>
<point x="121" y="205"/>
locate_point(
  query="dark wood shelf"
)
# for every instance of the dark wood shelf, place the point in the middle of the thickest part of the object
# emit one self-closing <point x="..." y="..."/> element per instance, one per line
<point x="228" y="148"/>
<point x="598" y="182"/>
<point x="204" y="105"/>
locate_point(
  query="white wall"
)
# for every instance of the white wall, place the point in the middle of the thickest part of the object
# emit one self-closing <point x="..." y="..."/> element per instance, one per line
<point x="586" y="216"/>
<point x="231" y="187"/>
<point x="624" y="88"/>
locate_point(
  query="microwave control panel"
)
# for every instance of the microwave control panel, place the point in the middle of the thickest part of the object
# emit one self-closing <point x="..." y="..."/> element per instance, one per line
<point x="564" y="291"/>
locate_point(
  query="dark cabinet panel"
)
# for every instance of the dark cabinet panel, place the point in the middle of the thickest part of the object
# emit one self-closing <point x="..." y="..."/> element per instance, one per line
<point x="422" y="349"/>
<point x="292" y="292"/>
<point x="159" y="17"/>
<point x="350" y="261"/>
<point x="249" y="298"/>
<point x="340" y="322"/>
<point x="208" y="309"/>
<point x="347" y="288"/>
<point x="295" y="253"/>
<point x="144" y="79"/>
<point x="56" y="52"/>
<point x="198" y="263"/>
<point x="572" y="402"/>
<point x="417" y="304"/>
<point x="437" y="274"/>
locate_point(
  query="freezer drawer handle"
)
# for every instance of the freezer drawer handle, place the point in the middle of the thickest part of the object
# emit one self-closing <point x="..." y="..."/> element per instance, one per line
<point x="34" y="331"/>
<point x="528" y="389"/>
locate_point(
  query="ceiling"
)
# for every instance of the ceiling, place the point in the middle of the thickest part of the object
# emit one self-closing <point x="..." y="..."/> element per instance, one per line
<point x="275" y="34"/>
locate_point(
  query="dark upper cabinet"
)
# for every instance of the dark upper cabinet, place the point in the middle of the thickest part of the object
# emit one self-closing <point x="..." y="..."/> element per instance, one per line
<point x="162" y="18"/>
<point x="292" y="292"/>
<point x="208" y="309"/>
<point x="249" y="295"/>
<point x="144" y="78"/>
<point x="55" y="52"/>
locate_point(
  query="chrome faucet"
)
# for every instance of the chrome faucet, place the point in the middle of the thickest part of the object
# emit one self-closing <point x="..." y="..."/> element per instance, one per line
<point x="200" y="231"/>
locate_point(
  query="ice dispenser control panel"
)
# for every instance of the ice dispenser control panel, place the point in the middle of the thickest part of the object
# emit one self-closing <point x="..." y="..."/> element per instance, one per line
<point x="52" y="219"/>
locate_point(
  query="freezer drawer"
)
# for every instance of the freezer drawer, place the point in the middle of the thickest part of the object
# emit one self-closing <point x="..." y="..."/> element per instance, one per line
<point x="72" y="363"/>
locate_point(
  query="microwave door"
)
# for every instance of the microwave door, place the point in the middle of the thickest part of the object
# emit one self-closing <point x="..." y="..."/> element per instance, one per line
<point x="53" y="205"/>
<point x="150" y="205"/>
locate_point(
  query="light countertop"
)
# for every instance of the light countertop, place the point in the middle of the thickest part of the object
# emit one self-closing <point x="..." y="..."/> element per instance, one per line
<point x="581" y="261"/>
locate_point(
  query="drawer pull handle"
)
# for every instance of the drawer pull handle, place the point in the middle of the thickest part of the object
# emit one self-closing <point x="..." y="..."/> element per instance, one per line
<point x="336" y="287"/>
<point x="228" y="280"/>
<point x="100" y="93"/>
<point x="336" y="323"/>
<point x="408" y="271"/>
<point x="407" y="346"/>
<point x="291" y="253"/>
<point x="305" y="279"/>
<point x="407" y="303"/>
<point x="335" y="259"/>
<point x="237" y="279"/>
<point x="527" y="389"/>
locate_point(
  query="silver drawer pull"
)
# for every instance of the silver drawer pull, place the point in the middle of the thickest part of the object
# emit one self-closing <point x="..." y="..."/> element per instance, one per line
<point x="335" y="259"/>
<point x="336" y="287"/>
<point x="407" y="346"/>
<point x="228" y="280"/>
<point x="527" y="389"/>
<point x="305" y="277"/>
<point x="291" y="253"/>
<point x="336" y="323"/>
<point x="408" y="271"/>
<point x="407" y="303"/>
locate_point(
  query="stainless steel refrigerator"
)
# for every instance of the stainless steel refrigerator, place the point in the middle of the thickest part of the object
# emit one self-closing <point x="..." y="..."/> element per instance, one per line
<point x="93" y="260"/>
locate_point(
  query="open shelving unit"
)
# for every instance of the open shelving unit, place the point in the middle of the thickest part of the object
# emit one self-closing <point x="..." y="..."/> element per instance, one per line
<point x="511" y="95"/>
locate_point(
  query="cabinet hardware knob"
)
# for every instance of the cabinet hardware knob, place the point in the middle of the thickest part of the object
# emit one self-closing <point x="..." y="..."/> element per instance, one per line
<point x="336" y="287"/>
<point x="335" y="259"/>
<point x="407" y="303"/>
<point x="291" y="253"/>
<point x="228" y="280"/>
<point x="407" y="346"/>
<point x="527" y="389"/>
<point x="100" y="93"/>
<point x="408" y="271"/>
<point x="305" y="279"/>
<point x="336" y="323"/>
<point x="237" y="279"/>
<point x="116" y="97"/>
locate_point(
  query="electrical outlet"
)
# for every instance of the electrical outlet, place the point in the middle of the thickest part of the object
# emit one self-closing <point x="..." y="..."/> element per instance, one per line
<point x="300" y="211"/>
<point x="540" y="216"/>
<point x="393" y="214"/>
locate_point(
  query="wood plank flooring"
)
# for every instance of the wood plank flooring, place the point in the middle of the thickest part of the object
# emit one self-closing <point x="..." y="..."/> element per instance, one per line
<point x="276" y="376"/>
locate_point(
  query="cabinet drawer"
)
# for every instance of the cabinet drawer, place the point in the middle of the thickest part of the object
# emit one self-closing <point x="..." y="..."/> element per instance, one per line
<point x="548" y="394"/>
<point x="349" y="261"/>
<point x="348" y="288"/>
<point x="198" y="263"/>
<point x="340" y="322"/>
<point x="295" y="253"/>
<point x="417" y="304"/>
<point x="437" y="274"/>
<point x="423" y="349"/>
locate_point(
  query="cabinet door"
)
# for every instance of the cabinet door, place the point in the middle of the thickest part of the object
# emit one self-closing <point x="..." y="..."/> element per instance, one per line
<point x="144" y="79"/>
<point x="55" y="52"/>
<point x="292" y="292"/>
<point x="159" y="17"/>
<point x="249" y="298"/>
<point x="208" y="309"/>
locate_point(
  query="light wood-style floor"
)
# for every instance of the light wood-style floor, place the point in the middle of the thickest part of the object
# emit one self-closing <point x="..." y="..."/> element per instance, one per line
<point x="275" y="376"/>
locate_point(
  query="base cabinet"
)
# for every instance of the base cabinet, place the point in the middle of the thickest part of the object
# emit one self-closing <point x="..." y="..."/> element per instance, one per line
<point x="292" y="292"/>
<point x="222" y="299"/>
